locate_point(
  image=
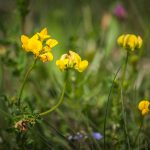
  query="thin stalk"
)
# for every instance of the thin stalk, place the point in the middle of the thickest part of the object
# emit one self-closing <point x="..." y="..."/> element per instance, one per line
<point x="107" y="106"/>
<point x="24" y="81"/>
<point x="57" y="105"/>
<point x="124" y="121"/>
<point x="1" y="75"/>
<point x="124" y="70"/>
<point x="138" y="133"/>
<point x="122" y="101"/>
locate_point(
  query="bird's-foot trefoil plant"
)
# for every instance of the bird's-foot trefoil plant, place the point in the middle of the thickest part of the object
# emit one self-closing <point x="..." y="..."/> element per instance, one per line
<point x="41" y="44"/>
<point x="130" y="43"/>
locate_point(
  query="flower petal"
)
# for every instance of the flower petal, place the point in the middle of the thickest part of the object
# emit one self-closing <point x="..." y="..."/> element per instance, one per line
<point x="51" y="42"/>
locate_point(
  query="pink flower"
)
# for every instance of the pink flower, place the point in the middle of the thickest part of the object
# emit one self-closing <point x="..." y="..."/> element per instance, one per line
<point x="120" y="11"/>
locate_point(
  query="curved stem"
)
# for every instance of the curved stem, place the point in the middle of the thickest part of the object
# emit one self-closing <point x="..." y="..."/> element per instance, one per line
<point x="57" y="105"/>
<point x="24" y="81"/>
<point x="107" y="105"/>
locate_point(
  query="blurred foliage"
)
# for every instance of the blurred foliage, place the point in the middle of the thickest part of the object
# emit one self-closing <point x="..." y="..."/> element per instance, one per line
<point x="90" y="28"/>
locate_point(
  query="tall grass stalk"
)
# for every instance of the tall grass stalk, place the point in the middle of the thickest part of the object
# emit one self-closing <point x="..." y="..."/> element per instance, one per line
<point x="138" y="133"/>
<point x="124" y="120"/>
<point x="107" y="106"/>
<point x="122" y="101"/>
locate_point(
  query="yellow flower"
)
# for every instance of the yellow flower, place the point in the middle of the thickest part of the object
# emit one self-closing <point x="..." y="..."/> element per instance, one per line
<point x="71" y="60"/>
<point x="46" y="57"/>
<point x="51" y="43"/>
<point x="130" y="41"/>
<point x="140" y="42"/>
<point x="144" y="106"/>
<point x="43" y="34"/>
<point x="25" y="40"/>
<point x="82" y="65"/>
<point x="74" y="57"/>
<point x="75" y="60"/>
<point x="62" y="64"/>
<point x="35" y="46"/>
<point x="31" y="44"/>
<point x="40" y="47"/>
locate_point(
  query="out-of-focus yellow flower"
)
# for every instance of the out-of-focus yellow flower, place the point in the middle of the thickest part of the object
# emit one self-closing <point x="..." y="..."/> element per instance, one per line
<point x="72" y="60"/>
<point x="130" y="41"/>
<point x="40" y="47"/>
<point x="43" y="34"/>
<point x="144" y="106"/>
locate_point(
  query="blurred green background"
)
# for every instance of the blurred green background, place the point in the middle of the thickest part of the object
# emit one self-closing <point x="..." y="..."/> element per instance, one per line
<point x="90" y="28"/>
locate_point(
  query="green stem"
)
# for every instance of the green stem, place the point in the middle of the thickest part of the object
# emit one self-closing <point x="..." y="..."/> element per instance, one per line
<point x="124" y="121"/>
<point x="1" y="76"/>
<point x="122" y="101"/>
<point x="24" y="81"/>
<point x="57" y="105"/>
<point x="124" y="70"/>
<point x="138" y="133"/>
<point x="107" y="106"/>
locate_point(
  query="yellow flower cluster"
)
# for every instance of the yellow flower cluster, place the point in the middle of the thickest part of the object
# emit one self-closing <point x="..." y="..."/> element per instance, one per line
<point x="40" y="45"/>
<point x="144" y="106"/>
<point x="130" y="41"/>
<point x="72" y="60"/>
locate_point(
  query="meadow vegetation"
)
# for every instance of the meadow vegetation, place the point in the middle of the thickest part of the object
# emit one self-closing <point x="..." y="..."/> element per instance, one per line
<point x="74" y="75"/>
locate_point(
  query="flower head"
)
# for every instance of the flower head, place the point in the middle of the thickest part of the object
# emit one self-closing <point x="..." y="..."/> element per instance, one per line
<point x="97" y="135"/>
<point x="72" y="60"/>
<point x="120" y="11"/>
<point x="82" y="136"/>
<point x="144" y="106"/>
<point x="23" y="125"/>
<point x="130" y="41"/>
<point x="40" y="45"/>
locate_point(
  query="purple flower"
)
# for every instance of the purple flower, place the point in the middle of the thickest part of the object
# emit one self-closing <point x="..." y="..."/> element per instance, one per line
<point x="97" y="135"/>
<point x="83" y="136"/>
<point x="120" y="11"/>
